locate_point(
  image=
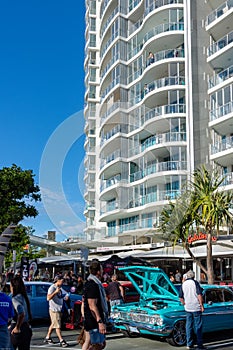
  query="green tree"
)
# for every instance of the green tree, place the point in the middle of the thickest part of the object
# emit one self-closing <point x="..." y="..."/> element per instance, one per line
<point x="18" y="193"/>
<point x="204" y="203"/>
<point x="211" y="207"/>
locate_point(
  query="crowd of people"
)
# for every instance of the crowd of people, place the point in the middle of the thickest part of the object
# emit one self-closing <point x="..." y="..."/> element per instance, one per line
<point x="15" y="312"/>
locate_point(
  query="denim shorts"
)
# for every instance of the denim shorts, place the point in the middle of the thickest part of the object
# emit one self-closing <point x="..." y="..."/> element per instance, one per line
<point x="96" y="336"/>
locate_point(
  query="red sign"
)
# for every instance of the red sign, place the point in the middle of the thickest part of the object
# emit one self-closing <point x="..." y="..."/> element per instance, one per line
<point x="199" y="237"/>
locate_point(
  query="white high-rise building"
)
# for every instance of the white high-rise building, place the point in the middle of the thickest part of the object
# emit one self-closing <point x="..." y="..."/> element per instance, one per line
<point x="159" y="102"/>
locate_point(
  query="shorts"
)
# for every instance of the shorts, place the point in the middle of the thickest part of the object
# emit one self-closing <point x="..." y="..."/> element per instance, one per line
<point x="55" y="319"/>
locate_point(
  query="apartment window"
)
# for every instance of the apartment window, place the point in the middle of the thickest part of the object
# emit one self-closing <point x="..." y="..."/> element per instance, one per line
<point x="111" y="228"/>
<point x="92" y="24"/>
<point x="92" y="93"/>
<point x="92" y="40"/>
<point x="92" y="74"/>
<point x="147" y="220"/>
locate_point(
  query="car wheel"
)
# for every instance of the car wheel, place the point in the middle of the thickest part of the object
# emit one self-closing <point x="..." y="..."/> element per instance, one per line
<point x="129" y="334"/>
<point x="178" y="336"/>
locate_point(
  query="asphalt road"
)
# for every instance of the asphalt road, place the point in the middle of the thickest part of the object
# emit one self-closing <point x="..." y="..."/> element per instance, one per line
<point x="221" y="340"/>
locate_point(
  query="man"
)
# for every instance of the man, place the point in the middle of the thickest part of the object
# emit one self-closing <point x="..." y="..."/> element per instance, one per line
<point x="55" y="297"/>
<point x="115" y="292"/>
<point x="191" y="298"/>
<point x="6" y="314"/>
<point x="95" y="307"/>
<point x="178" y="276"/>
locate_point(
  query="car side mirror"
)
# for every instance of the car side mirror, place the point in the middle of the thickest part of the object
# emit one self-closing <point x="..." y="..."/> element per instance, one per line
<point x="210" y="302"/>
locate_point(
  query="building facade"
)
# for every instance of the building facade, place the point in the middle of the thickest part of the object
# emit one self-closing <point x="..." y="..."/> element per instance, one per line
<point x="158" y="103"/>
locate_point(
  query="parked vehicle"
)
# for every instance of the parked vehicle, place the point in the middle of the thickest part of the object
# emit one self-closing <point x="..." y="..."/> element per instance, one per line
<point x="37" y="294"/>
<point x="130" y="295"/>
<point x="159" y="311"/>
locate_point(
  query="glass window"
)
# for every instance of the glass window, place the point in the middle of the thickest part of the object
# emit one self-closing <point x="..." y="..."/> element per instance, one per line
<point x="41" y="290"/>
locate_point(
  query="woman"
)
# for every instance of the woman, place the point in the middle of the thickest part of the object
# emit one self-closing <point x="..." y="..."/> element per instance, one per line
<point x="20" y="329"/>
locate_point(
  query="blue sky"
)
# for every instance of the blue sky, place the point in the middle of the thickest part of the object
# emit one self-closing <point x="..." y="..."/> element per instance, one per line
<point x="41" y="97"/>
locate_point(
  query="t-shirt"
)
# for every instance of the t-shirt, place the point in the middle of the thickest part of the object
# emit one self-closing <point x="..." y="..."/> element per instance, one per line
<point x="20" y="306"/>
<point x="113" y="290"/>
<point x="91" y="291"/>
<point x="189" y="292"/>
<point x="56" y="303"/>
<point x="6" y="309"/>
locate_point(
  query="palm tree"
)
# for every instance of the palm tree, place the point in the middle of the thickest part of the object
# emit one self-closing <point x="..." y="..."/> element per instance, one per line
<point x="203" y="203"/>
<point x="210" y="205"/>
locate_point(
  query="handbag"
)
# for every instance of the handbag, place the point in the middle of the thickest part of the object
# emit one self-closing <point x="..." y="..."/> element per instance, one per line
<point x="81" y="337"/>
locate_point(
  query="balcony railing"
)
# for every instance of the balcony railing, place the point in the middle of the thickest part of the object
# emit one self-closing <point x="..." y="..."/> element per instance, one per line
<point x="220" y="77"/>
<point x="220" y="44"/>
<point x="113" y="14"/>
<point x="110" y="158"/>
<point x="228" y="179"/>
<point x="133" y="4"/>
<point x="161" y="110"/>
<point x="219" y="12"/>
<point x="158" y="139"/>
<point x="110" y="182"/>
<point x="222" y="146"/>
<point x="110" y="86"/>
<point x="157" y="168"/>
<point x="162" y="28"/>
<point x="157" y="84"/>
<point x="156" y="4"/>
<point x="221" y="111"/>
<point x="108" y="66"/>
<point x="162" y="55"/>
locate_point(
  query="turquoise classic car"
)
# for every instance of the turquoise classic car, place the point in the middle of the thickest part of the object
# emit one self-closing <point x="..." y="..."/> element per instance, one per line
<point x="159" y="311"/>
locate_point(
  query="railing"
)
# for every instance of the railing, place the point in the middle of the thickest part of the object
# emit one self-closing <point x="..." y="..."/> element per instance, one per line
<point x="161" y="110"/>
<point x="118" y="128"/>
<point x="158" y="139"/>
<point x="143" y="200"/>
<point x="110" y="87"/>
<point x="110" y="63"/>
<point x="221" y="111"/>
<point x="228" y="179"/>
<point x="113" y="14"/>
<point x="220" y="44"/>
<point x="155" y="5"/>
<point x="162" y="55"/>
<point x="157" y="84"/>
<point x="158" y="167"/>
<point x="162" y="28"/>
<point x="110" y="158"/>
<point x="226" y="144"/>
<point x="133" y="4"/>
<point x="219" y="12"/>
<point x="109" y="207"/>
<point x="220" y="77"/>
<point x="110" y="182"/>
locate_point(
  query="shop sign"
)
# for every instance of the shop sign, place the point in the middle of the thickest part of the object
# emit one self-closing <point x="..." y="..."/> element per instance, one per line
<point x="199" y="237"/>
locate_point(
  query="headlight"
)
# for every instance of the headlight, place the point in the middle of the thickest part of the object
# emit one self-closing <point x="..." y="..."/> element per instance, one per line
<point x="115" y="314"/>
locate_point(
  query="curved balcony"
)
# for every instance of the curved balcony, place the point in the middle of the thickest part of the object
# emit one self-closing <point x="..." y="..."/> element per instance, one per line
<point x="154" y="6"/>
<point x="162" y="110"/>
<point x="158" y="84"/>
<point x="158" y="56"/>
<point x="227" y="179"/>
<point x="222" y="146"/>
<point x="218" y="12"/>
<point x="160" y="29"/>
<point x="110" y="158"/>
<point x="109" y="19"/>
<point x="110" y="87"/>
<point x="220" y="77"/>
<point x="114" y="180"/>
<point x="160" y="139"/>
<point x="221" y="111"/>
<point x="158" y="168"/>
<point x="220" y="44"/>
<point x="108" y="66"/>
<point x="119" y="128"/>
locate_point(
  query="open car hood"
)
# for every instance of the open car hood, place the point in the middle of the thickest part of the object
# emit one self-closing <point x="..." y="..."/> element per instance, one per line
<point x="151" y="283"/>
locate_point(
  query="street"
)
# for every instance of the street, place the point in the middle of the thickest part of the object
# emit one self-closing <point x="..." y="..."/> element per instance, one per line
<point x="221" y="340"/>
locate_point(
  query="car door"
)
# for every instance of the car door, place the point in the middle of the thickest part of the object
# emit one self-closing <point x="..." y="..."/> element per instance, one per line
<point x="215" y="312"/>
<point x="42" y="308"/>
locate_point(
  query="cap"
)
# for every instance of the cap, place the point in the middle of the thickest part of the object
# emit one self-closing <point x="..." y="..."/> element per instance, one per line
<point x="190" y="274"/>
<point x="58" y="278"/>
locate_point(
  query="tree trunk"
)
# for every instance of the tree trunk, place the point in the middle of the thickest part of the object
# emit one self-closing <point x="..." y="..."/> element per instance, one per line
<point x="197" y="261"/>
<point x="209" y="258"/>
